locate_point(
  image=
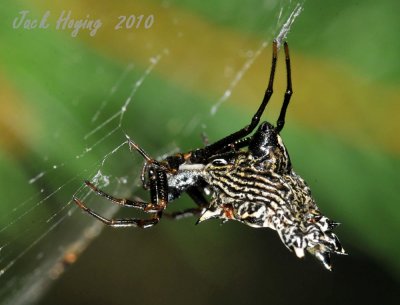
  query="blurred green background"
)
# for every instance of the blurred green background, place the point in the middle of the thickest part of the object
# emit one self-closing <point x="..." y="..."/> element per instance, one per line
<point x="61" y="122"/>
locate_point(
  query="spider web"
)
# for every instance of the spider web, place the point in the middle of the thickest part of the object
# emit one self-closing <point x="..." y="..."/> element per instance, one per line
<point x="43" y="232"/>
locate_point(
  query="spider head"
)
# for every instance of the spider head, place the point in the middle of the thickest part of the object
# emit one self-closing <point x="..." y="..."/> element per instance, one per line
<point x="266" y="146"/>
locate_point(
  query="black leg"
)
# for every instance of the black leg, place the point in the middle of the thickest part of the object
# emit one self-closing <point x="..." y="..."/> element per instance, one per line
<point x="236" y="145"/>
<point x="149" y="161"/>
<point x="197" y="196"/>
<point x="158" y="193"/>
<point x="289" y="91"/>
<point x="118" y="223"/>
<point x="121" y="201"/>
<point x="212" y="149"/>
<point x="141" y="151"/>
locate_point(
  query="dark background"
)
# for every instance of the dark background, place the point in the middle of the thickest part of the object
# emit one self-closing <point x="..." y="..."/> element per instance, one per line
<point x="231" y="264"/>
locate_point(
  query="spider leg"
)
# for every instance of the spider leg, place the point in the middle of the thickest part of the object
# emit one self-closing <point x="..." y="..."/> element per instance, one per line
<point x="141" y="151"/>
<point x="158" y="193"/>
<point x="121" y="201"/>
<point x="159" y="199"/>
<point x="145" y="155"/>
<point x="289" y="91"/>
<point x="118" y="223"/>
<point x="210" y="150"/>
<point x="243" y="142"/>
<point x="143" y="176"/>
<point x="197" y="196"/>
<point x="170" y="164"/>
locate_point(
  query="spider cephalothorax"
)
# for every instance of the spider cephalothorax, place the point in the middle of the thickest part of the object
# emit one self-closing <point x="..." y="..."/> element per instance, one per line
<point x="243" y="177"/>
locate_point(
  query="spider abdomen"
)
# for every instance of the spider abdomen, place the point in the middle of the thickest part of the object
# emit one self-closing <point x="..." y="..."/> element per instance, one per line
<point x="242" y="181"/>
<point x="247" y="191"/>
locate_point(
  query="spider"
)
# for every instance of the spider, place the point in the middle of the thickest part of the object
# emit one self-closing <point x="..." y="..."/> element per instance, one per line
<point x="243" y="177"/>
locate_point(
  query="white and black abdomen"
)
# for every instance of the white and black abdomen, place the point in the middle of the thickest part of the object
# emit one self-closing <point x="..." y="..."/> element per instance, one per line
<point x="246" y="191"/>
<point x="256" y="194"/>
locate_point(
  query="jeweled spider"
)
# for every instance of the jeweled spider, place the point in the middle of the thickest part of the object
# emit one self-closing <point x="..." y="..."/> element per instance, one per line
<point x="240" y="177"/>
